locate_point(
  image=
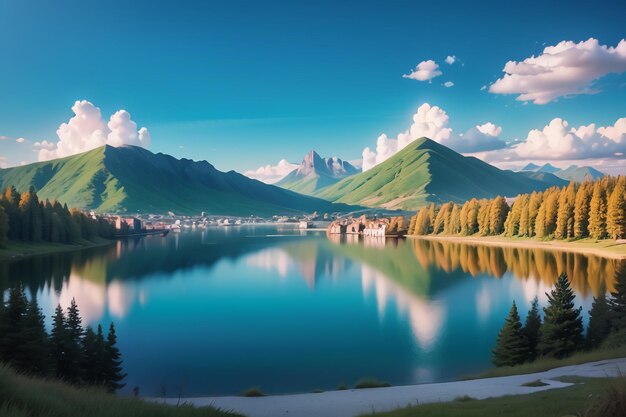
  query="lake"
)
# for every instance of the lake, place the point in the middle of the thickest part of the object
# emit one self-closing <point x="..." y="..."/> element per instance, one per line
<point x="218" y="311"/>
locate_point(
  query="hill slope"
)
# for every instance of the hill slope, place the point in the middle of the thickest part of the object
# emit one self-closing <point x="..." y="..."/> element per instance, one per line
<point x="426" y="171"/>
<point x="315" y="173"/>
<point x="134" y="179"/>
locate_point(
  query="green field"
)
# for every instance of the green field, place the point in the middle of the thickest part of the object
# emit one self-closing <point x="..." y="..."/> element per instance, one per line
<point x="582" y="399"/>
<point x="21" y="396"/>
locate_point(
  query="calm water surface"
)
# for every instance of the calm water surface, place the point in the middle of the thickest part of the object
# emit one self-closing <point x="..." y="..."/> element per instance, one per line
<point x="218" y="311"/>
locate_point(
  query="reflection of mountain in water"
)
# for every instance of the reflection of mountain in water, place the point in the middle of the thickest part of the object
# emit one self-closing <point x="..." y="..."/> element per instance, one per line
<point x="586" y="272"/>
<point x="313" y="260"/>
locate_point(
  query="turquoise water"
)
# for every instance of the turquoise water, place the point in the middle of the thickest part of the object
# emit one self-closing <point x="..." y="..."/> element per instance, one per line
<point x="218" y="311"/>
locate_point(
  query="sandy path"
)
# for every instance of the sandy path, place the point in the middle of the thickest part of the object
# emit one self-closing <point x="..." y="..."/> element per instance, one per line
<point x="354" y="402"/>
<point x="521" y="243"/>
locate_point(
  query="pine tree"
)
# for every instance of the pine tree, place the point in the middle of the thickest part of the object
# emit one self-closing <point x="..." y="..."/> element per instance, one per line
<point x="74" y="333"/>
<point x="511" y="346"/>
<point x="13" y="339"/>
<point x="59" y="345"/>
<point x="93" y="359"/>
<point x="561" y="332"/>
<point x="616" y="211"/>
<point x="597" y="212"/>
<point x="4" y="226"/>
<point x="581" y="211"/>
<point x="599" y="322"/>
<point x="617" y="301"/>
<point x="35" y="351"/>
<point x="113" y="367"/>
<point x="531" y="330"/>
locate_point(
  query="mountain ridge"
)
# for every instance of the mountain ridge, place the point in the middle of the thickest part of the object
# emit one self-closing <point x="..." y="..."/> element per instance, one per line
<point x="315" y="173"/>
<point x="426" y="171"/>
<point x="131" y="179"/>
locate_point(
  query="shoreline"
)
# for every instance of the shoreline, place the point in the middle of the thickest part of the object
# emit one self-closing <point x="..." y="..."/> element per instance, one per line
<point x="355" y="402"/>
<point x="613" y="249"/>
<point x="15" y="251"/>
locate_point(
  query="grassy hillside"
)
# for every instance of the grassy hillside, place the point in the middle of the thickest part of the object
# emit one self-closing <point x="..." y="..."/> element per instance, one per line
<point x="21" y="396"/>
<point x="426" y="171"/>
<point x="133" y="179"/>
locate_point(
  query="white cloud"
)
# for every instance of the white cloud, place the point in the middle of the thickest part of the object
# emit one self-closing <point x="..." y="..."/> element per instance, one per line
<point x="429" y="121"/>
<point x="271" y="174"/>
<point x="601" y="147"/>
<point x="484" y="87"/>
<point x="448" y="84"/>
<point x="450" y="59"/>
<point x="20" y="140"/>
<point x="425" y="71"/>
<point x="480" y="138"/>
<point x="87" y="130"/>
<point x="432" y="122"/>
<point x="3" y="162"/>
<point x="565" y="70"/>
<point x="489" y="129"/>
<point x="3" y="137"/>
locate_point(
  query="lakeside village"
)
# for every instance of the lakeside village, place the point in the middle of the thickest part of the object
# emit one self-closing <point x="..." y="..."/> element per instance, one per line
<point x="333" y="224"/>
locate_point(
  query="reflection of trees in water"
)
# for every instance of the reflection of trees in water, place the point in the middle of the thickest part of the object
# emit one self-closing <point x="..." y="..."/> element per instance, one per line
<point x="587" y="273"/>
<point x="53" y="270"/>
<point x="127" y="259"/>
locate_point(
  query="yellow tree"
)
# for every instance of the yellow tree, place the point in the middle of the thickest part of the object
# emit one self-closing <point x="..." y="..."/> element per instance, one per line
<point x="534" y="202"/>
<point x="524" y="220"/>
<point x="455" y="220"/>
<point x="581" y="210"/>
<point x="498" y="211"/>
<point x="597" y="212"/>
<point x="565" y="214"/>
<point x="511" y="225"/>
<point x="483" y="217"/>
<point x="616" y="210"/>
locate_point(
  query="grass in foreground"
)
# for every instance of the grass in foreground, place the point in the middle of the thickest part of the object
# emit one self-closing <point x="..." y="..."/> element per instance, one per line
<point x="590" y="397"/>
<point x="545" y="364"/>
<point x="21" y="396"/>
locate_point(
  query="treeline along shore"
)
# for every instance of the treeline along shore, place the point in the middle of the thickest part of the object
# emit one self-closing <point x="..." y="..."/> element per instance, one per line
<point x="26" y="219"/>
<point x="591" y="209"/>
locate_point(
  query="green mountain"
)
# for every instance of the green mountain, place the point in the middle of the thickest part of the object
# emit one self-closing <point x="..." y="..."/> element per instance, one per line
<point x="426" y="171"/>
<point x="315" y="173"/>
<point x="133" y="179"/>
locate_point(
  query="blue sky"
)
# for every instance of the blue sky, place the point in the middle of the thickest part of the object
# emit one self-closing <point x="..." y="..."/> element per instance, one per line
<point x="247" y="83"/>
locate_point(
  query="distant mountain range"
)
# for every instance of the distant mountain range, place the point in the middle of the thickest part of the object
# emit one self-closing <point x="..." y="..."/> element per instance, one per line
<point x="315" y="173"/>
<point x="426" y="171"/>
<point x="572" y="173"/>
<point x="132" y="179"/>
